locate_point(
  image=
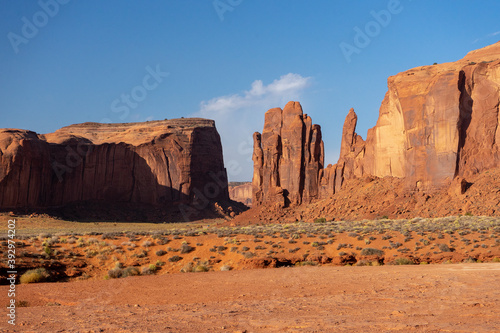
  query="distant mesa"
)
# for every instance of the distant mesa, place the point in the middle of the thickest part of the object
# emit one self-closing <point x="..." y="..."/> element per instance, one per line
<point x="241" y="192"/>
<point x="163" y="164"/>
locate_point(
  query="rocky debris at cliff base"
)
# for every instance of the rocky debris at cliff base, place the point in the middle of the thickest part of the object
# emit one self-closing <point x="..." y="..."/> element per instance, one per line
<point x="135" y="212"/>
<point x="375" y="198"/>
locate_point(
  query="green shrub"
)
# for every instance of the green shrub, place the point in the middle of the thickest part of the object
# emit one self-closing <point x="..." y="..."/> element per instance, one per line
<point x="185" y="248"/>
<point x="117" y="272"/>
<point x="320" y="220"/>
<point x="35" y="276"/>
<point x="306" y="263"/>
<point x="23" y="304"/>
<point x="444" y="248"/>
<point x="174" y="259"/>
<point x="147" y="243"/>
<point x="47" y="250"/>
<point x="130" y="271"/>
<point x="403" y="261"/>
<point x="200" y="268"/>
<point x="187" y="268"/>
<point x="160" y="253"/>
<point x="248" y="255"/>
<point x="470" y="260"/>
<point x="149" y="269"/>
<point x="369" y="251"/>
<point x="367" y="263"/>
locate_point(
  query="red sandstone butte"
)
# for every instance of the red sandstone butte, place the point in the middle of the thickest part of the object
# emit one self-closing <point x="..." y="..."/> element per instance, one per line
<point x="288" y="157"/>
<point x="435" y="123"/>
<point x="157" y="163"/>
<point x="438" y="122"/>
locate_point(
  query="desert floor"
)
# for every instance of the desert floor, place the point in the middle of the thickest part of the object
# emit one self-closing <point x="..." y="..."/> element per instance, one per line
<point x="428" y="275"/>
<point x="428" y="298"/>
<point x="72" y="251"/>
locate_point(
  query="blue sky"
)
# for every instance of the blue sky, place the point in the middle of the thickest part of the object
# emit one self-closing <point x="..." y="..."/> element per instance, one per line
<point x="67" y="61"/>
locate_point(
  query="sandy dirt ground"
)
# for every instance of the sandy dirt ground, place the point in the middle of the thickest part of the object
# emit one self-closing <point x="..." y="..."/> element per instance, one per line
<point x="70" y="257"/>
<point x="424" y="298"/>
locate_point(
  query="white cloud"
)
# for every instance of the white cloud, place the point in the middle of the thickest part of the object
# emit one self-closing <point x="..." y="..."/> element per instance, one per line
<point x="287" y="86"/>
<point x="238" y="116"/>
<point x="493" y="34"/>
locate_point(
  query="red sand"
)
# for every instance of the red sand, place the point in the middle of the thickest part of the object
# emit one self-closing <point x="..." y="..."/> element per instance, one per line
<point x="428" y="298"/>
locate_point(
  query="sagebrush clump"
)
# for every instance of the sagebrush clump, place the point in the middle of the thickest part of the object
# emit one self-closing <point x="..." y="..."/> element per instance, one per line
<point x="369" y="251"/>
<point x="35" y="276"/>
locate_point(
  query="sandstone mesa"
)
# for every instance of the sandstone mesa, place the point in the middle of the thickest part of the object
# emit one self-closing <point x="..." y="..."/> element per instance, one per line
<point x="157" y="163"/>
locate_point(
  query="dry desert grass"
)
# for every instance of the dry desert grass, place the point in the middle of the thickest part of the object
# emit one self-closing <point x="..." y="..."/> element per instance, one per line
<point x="115" y="252"/>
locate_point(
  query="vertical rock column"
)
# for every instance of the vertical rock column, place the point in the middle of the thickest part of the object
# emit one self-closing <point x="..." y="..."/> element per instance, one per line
<point x="291" y="167"/>
<point x="288" y="158"/>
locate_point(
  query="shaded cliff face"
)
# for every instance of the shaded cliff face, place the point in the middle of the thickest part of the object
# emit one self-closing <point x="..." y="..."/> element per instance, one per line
<point x="156" y="163"/>
<point x="288" y="158"/>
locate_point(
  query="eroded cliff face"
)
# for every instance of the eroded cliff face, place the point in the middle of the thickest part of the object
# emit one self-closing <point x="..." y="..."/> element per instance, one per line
<point x="288" y="158"/>
<point x="157" y="163"/>
<point x="436" y="124"/>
